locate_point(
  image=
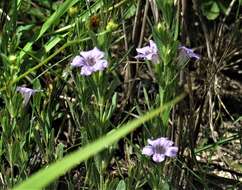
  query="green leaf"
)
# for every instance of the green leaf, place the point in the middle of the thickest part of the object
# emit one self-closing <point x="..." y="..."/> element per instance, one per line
<point x="121" y="185"/>
<point x="56" y="16"/>
<point x="53" y="42"/>
<point x="130" y="12"/>
<point x="211" y="10"/>
<point x="46" y="175"/>
<point x="165" y="186"/>
<point x="214" y="12"/>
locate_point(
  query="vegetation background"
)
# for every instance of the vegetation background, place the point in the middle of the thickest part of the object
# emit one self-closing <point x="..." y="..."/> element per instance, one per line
<point x="87" y="132"/>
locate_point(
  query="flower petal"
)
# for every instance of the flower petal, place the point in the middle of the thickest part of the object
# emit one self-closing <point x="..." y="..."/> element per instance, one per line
<point x="24" y="90"/>
<point x="94" y="53"/>
<point x="153" y="142"/>
<point x="194" y="55"/>
<point x="100" y="65"/>
<point x="26" y="93"/>
<point x="86" y="70"/>
<point x="153" y="46"/>
<point x="97" y="53"/>
<point x="86" y="54"/>
<point x="27" y="98"/>
<point x="166" y="143"/>
<point x="140" y="56"/>
<point x="78" y="61"/>
<point x="152" y="57"/>
<point x="145" y="50"/>
<point x="189" y="52"/>
<point x="158" y="157"/>
<point x="148" y="150"/>
<point x="172" y="151"/>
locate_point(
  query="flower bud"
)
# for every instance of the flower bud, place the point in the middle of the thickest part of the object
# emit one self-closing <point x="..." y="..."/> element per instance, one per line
<point x="111" y="26"/>
<point x="73" y="11"/>
<point x="12" y="58"/>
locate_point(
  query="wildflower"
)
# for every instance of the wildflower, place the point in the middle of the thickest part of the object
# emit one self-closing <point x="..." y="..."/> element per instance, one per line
<point x="160" y="148"/>
<point x="148" y="52"/>
<point x="26" y="93"/>
<point x="189" y="52"/>
<point x="90" y="61"/>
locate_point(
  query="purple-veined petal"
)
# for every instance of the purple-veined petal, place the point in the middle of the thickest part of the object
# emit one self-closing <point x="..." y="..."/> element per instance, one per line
<point x="194" y="55"/>
<point x="158" y="157"/>
<point x="156" y="142"/>
<point x="100" y="65"/>
<point x="149" y="56"/>
<point x="153" y="142"/>
<point x="189" y="52"/>
<point x="97" y="54"/>
<point x="140" y="56"/>
<point x="152" y="57"/>
<point x="166" y="143"/>
<point x="78" y="61"/>
<point x="148" y="150"/>
<point x="153" y="46"/>
<point x="172" y="151"/>
<point x="86" y="70"/>
<point x="86" y="54"/>
<point x="162" y="142"/>
<point x="24" y="90"/>
<point x="145" y="50"/>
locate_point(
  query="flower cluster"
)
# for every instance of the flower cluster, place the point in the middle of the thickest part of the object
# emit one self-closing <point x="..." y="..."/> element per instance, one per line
<point x="151" y="52"/>
<point x="90" y="61"/>
<point x="93" y="60"/>
<point x="159" y="149"/>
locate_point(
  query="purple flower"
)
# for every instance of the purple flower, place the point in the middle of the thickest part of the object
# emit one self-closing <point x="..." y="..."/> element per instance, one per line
<point x="26" y="93"/>
<point x="148" y="52"/>
<point x="160" y="148"/>
<point x="90" y="61"/>
<point x="189" y="52"/>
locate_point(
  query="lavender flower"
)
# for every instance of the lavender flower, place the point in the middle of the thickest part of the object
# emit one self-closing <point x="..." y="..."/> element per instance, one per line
<point x="148" y="52"/>
<point x="160" y="148"/>
<point x="189" y="52"/>
<point x="26" y="93"/>
<point x="90" y="61"/>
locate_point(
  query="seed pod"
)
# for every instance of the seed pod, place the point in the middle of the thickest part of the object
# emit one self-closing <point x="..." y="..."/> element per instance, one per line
<point x="94" y="22"/>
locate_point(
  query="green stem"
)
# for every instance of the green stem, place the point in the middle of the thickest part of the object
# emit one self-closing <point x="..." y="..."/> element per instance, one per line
<point x="223" y="141"/>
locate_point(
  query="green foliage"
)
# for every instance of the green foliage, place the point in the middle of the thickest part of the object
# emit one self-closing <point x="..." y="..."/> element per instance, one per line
<point x="165" y="35"/>
<point x="60" y="167"/>
<point x="87" y="132"/>
<point x="213" y="8"/>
